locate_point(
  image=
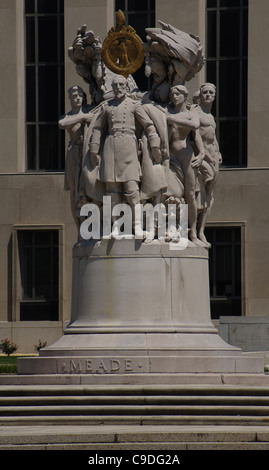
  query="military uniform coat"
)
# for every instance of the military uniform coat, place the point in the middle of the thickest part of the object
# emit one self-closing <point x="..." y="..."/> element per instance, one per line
<point x="119" y="159"/>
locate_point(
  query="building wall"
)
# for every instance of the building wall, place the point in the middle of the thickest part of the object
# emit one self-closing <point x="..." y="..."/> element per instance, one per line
<point x="34" y="199"/>
<point x="38" y="199"/>
<point x="189" y="17"/>
<point x="12" y="85"/>
<point x="242" y="194"/>
<point x="98" y="15"/>
<point x="258" y="86"/>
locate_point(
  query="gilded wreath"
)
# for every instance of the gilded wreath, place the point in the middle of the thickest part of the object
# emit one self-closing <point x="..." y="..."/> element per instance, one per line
<point x="122" y="50"/>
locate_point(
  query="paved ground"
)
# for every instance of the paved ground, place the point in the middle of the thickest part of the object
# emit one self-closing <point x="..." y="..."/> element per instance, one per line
<point x="130" y="446"/>
<point x="131" y="437"/>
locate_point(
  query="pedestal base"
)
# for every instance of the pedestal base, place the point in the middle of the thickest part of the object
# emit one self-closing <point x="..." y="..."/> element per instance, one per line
<point x="140" y="310"/>
<point x="143" y="354"/>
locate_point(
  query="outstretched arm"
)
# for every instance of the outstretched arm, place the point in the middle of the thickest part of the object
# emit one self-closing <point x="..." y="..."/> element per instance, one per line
<point x="95" y="140"/>
<point x="190" y="121"/>
<point x="70" y="119"/>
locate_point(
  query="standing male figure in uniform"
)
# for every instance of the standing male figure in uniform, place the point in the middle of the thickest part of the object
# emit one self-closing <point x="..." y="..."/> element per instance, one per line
<point x="119" y="164"/>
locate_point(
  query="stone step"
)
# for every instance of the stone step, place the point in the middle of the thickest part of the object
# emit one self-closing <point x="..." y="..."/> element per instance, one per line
<point x="165" y="380"/>
<point x="134" y="437"/>
<point x="134" y="404"/>
<point x="134" y="390"/>
<point x="137" y="448"/>
<point x="143" y="447"/>
<point x="134" y="400"/>
<point x="134" y="417"/>
<point x="134" y="410"/>
<point x="141" y="420"/>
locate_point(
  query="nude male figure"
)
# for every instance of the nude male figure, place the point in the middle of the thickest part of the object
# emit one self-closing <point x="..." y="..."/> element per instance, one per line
<point x="181" y="122"/>
<point x="209" y="168"/>
<point x="74" y="122"/>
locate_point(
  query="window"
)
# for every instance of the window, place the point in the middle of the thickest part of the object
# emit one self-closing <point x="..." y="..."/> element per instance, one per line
<point x="225" y="270"/>
<point x="44" y="45"/>
<point x="39" y="274"/>
<point x="140" y="14"/>
<point x="227" y="51"/>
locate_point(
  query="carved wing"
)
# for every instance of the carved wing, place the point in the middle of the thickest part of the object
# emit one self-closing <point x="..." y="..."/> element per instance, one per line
<point x="113" y="51"/>
<point x="131" y="51"/>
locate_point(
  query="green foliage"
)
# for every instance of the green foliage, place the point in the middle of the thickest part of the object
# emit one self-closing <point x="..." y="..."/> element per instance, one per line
<point x="40" y="345"/>
<point x="7" y="346"/>
<point x="8" y="365"/>
<point x="8" y="368"/>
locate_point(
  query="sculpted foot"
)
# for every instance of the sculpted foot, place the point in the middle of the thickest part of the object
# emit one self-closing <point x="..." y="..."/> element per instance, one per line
<point x="115" y="230"/>
<point x="139" y="232"/>
<point x="149" y="237"/>
<point x="204" y="240"/>
<point x="193" y="238"/>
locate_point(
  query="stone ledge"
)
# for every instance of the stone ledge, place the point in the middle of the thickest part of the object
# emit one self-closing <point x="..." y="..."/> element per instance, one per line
<point x="248" y="333"/>
<point x="252" y="380"/>
<point x="115" y="366"/>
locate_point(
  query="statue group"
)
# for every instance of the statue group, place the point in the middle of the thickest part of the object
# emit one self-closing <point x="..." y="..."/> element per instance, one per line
<point x="140" y="311"/>
<point x="136" y="146"/>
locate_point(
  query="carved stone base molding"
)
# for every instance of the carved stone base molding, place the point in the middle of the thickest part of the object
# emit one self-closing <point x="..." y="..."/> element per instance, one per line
<point x="140" y="310"/>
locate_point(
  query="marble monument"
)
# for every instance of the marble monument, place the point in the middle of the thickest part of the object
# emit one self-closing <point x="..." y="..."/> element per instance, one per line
<point x="140" y="298"/>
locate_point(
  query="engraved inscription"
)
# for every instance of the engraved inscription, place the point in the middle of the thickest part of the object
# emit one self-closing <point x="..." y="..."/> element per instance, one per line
<point x="97" y="365"/>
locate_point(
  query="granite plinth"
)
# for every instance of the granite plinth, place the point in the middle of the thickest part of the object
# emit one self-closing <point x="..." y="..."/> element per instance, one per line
<point x="140" y="309"/>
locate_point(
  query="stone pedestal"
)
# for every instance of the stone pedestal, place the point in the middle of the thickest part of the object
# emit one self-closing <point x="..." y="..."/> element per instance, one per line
<point x="140" y="309"/>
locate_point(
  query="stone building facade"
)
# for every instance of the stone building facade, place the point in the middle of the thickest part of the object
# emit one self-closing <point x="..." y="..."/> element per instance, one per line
<point x="37" y="229"/>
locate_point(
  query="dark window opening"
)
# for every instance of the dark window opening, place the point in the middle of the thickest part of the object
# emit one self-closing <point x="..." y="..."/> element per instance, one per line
<point x="227" y="55"/>
<point x="44" y="38"/>
<point x="225" y="270"/>
<point x="39" y="270"/>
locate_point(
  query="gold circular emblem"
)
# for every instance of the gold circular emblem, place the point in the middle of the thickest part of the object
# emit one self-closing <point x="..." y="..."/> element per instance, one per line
<point x="122" y="50"/>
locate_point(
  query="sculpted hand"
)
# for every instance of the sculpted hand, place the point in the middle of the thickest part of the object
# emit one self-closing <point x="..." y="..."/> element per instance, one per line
<point x="156" y="154"/>
<point x="78" y="43"/>
<point x="87" y="117"/>
<point x="196" y="161"/>
<point x="165" y="153"/>
<point x="94" y="159"/>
